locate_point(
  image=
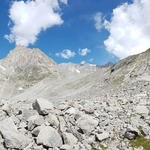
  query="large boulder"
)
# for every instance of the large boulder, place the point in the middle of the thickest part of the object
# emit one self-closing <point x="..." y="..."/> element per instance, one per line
<point x="43" y="106"/>
<point x="12" y="137"/>
<point x="49" y="137"/>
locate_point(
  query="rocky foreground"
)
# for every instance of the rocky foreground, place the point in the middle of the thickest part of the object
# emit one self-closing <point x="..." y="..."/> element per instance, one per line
<point x="114" y="122"/>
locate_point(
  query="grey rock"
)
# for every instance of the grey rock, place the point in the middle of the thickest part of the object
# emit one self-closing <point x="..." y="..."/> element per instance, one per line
<point x="131" y="133"/>
<point x="87" y="123"/>
<point x="12" y="137"/>
<point x="62" y="124"/>
<point x="71" y="111"/>
<point x="35" y="132"/>
<point x="49" y="137"/>
<point x="2" y="115"/>
<point x="69" y="139"/>
<point x="102" y="136"/>
<point x="36" y="120"/>
<point x="52" y="120"/>
<point x="88" y="108"/>
<point x="66" y="147"/>
<point x="30" y="125"/>
<point x="28" y="113"/>
<point x="43" y="106"/>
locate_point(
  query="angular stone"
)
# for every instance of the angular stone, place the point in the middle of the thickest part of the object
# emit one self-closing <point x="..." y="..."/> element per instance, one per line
<point x="37" y="120"/>
<point x="69" y="139"/>
<point x="12" y="137"/>
<point x="52" y="120"/>
<point x="131" y="133"/>
<point x="31" y="125"/>
<point x="66" y="147"/>
<point x="87" y="123"/>
<point x="49" y="137"/>
<point x="62" y="124"/>
<point x="103" y="136"/>
<point x="36" y="131"/>
<point x="43" y="106"/>
<point x="2" y="115"/>
<point x="71" y="111"/>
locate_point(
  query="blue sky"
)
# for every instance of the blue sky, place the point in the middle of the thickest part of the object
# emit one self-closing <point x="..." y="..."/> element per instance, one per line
<point x="77" y="31"/>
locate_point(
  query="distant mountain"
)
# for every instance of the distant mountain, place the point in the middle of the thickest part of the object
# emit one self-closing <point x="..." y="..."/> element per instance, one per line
<point x="78" y="68"/>
<point x="28" y="63"/>
<point x="24" y="67"/>
<point x="109" y="64"/>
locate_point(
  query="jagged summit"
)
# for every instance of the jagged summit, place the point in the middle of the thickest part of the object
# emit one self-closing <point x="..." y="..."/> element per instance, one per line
<point x="27" y="66"/>
<point x="26" y="60"/>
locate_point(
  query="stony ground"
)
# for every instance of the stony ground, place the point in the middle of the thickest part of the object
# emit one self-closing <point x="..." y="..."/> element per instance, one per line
<point x="115" y="120"/>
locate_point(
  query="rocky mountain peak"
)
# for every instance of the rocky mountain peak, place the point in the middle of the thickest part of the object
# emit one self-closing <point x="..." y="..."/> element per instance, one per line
<point x="23" y="63"/>
<point x="22" y="58"/>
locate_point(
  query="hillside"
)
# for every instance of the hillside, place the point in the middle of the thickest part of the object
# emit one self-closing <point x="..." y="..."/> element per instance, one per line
<point x="45" y="106"/>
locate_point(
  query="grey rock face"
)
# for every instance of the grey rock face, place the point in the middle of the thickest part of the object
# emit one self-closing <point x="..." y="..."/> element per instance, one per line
<point x="12" y="138"/>
<point x="43" y="106"/>
<point x="49" y="137"/>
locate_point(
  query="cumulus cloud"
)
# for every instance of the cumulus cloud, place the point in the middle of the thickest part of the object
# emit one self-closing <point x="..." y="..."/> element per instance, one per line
<point x="91" y="60"/>
<point x="129" y="29"/>
<point x="64" y="1"/>
<point x="84" y="52"/>
<point x="98" y="21"/>
<point x="30" y="18"/>
<point x="66" y="54"/>
<point x="83" y="62"/>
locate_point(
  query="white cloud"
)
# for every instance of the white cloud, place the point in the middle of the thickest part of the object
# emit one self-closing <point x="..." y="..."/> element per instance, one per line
<point x="83" y="62"/>
<point x="84" y="52"/>
<point x="64" y="1"/>
<point x="91" y="60"/>
<point x="129" y="29"/>
<point x="10" y="38"/>
<point x="30" y="18"/>
<point x="98" y="21"/>
<point x="66" y="54"/>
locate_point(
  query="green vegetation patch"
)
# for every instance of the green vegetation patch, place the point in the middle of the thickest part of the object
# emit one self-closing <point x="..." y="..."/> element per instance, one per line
<point x="141" y="141"/>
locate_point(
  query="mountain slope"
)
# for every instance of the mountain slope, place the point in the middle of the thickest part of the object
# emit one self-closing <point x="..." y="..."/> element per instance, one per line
<point x="30" y="73"/>
<point x="79" y="107"/>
